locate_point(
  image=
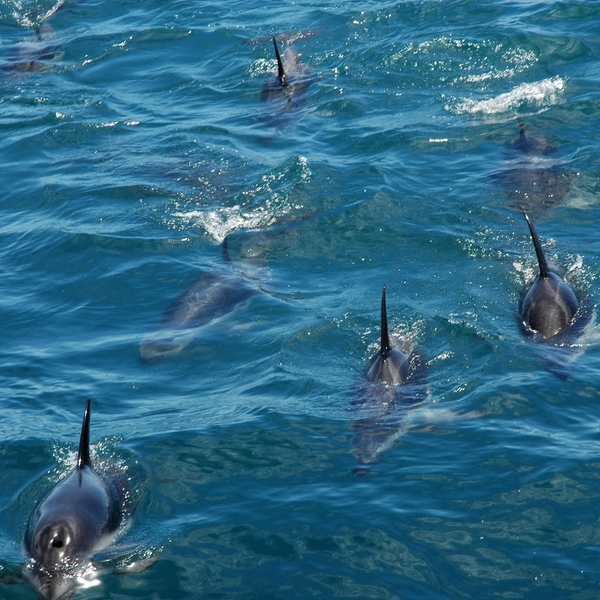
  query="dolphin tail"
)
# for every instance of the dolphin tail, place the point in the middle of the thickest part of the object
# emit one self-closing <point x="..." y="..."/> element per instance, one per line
<point x="83" y="458"/>
<point x="386" y="346"/>
<point x="280" y="69"/>
<point x="538" y="248"/>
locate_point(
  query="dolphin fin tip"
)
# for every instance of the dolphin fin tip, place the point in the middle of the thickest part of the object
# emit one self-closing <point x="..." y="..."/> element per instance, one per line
<point x="386" y="346"/>
<point x="83" y="458"/>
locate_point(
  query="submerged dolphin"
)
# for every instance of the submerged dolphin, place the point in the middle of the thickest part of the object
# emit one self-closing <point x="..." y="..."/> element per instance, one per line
<point x="31" y="55"/>
<point x="550" y="304"/>
<point x="534" y="176"/>
<point x="78" y="517"/>
<point x="394" y="386"/>
<point x="211" y="296"/>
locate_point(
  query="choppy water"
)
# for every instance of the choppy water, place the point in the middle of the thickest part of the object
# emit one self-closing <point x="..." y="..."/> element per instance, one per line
<point x="134" y="140"/>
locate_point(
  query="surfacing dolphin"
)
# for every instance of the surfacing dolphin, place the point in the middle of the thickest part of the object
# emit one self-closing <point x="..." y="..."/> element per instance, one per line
<point x="550" y="304"/>
<point x="394" y="385"/>
<point x="77" y="518"/>
<point x="534" y="175"/>
<point x="211" y="296"/>
<point x="292" y="78"/>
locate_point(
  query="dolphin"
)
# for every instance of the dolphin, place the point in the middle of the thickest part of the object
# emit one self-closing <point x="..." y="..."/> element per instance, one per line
<point x="393" y="385"/>
<point x="550" y="304"/>
<point x="211" y="296"/>
<point x="291" y="77"/>
<point x="78" y="517"/>
<point x="32" y="55"/>
<point x="534" y="176"/>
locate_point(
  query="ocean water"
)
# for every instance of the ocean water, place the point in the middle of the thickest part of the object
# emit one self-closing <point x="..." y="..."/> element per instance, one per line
<point x="135" y="140"/>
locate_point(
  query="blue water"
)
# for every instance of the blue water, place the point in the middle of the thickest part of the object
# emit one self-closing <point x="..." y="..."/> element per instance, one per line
<point x="134" y="140"/>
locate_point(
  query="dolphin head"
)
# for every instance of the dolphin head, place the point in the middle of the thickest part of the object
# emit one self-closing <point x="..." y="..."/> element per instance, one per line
<point x="164" y="343"/>
<point x="52" y="542"/>
<point x="50" y="584"/>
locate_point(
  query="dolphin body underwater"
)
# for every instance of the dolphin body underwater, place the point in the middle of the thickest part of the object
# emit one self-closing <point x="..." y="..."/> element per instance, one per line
<point x="32" y="55"/>
<point x="534" y="177"/>
<point x="211" y="296"/>
<point x="80" y="516"/>
<point x="394" y="385"/>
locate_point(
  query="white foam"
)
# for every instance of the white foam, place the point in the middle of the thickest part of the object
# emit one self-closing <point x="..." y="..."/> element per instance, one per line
<point x="547" y="92"/>
<point x="268" y="202"/>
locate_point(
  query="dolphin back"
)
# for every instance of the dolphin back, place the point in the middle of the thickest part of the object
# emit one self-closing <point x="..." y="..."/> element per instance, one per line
<point x="549" y="306"/>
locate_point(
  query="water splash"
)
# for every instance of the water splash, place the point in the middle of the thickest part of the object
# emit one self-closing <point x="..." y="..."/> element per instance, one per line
<point x="266" y="203"/>
<point x="539" y="94"/>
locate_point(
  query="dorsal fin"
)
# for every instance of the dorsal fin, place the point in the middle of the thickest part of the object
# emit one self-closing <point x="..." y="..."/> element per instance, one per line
<point x="386" y="346"/>
<point x="538" y="248"/>
<point x="280" y="69"/>
<point x="83" y="459"/>
<point x="225" y="252"/>
<point x="521" y="128"/>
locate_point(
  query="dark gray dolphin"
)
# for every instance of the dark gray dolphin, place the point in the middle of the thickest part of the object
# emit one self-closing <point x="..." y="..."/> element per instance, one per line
<point x="211" y="296"/>
<point x="394" y="384"/>
<point x="78" y="517"/>
<point x="534" y="175"/>
<point x="550" y="304"/>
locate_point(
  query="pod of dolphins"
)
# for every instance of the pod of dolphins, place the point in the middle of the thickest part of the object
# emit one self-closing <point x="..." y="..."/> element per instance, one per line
<point x="83" y="513"/>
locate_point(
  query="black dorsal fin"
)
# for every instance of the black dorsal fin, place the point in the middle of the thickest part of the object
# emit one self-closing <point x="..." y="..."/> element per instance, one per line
<point x="386" y="346"/>
<point x="225" y="252"/>
<point x="83" y="459"/>
<point x="521" y="128"/>
<point x="280" y="69"/>
<point x="538" y="248"/>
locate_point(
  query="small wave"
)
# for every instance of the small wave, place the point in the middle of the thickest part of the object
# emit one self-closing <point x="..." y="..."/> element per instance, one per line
<point x="527" y="95"/>
<point x="268" y="202"/>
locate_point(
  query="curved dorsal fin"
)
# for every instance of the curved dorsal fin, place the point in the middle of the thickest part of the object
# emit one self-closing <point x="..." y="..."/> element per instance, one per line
<point x="280" y="69"/>
<point x="538" y="248"/>
<point x="225" y="252"/>
<point x="83" y="459"/>
<point x="521" y="128"/>
<point x="386" y="346"/>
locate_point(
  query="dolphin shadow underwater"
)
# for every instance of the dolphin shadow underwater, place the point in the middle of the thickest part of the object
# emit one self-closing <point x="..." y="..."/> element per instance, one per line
<point x="551" y="313"/>
<point x="32" y="55"/>
<point x="394" y="384"/>
<point x="534" y="176"/>
<point x="212" y="295"/>
<point x="80" y="516"/>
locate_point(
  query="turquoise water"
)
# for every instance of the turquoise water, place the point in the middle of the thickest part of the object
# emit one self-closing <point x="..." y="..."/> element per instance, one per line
<point x="135" y="141"/>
